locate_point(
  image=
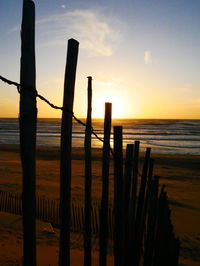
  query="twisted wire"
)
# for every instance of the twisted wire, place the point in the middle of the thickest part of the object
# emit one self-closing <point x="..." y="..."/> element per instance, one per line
<point x="19" y="86"/>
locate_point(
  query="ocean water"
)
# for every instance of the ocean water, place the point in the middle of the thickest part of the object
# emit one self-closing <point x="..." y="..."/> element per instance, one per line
<point x="163" y="136"/>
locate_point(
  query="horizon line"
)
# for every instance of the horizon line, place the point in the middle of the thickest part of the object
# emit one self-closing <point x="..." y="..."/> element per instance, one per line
<point x="101" y="118"/>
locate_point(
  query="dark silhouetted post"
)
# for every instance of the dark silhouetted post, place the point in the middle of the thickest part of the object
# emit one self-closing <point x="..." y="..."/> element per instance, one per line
<point x="133" y="201"/>
<point x="65" y="156"/>
<point x="105" y="187"/>
<point x="88" y="179"/>
<point x="151" y="223"/>
<point x="140" y="208"/>
<point x="28" y="121"/>
<point x="127" y="191"/>
<point x="166" y="244"/>
<point x="135" y="180"/>
<point x="118" y="196"/>
<point x="148" y="190"/>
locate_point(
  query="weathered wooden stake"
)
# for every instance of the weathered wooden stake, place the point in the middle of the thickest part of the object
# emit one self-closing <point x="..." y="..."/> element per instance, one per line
<point x="28" y="120"/>
<point x="140" y="208"/>
<point x="148" y="190"/>
<point x="65" y="156"/>
<point x="88" y="179"/>
<point x="133" y="205"/>
<point x="105" y="187"/>
<point x="151" y="223"/>
<point x="126" y="195"/>
<point x="118" y="196"/>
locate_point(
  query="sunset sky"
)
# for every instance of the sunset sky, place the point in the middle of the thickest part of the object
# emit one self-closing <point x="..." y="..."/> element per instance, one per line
<point x="143" y="55"/>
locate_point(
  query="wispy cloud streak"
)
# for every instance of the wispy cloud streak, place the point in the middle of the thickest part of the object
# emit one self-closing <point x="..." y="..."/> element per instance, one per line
<point x="147" y="57"/>
<point x="95" y="33"/>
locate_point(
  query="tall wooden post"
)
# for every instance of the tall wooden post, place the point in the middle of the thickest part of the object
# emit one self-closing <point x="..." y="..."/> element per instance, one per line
<point x="28" y="120"/>
<point x="148" y="190"/>
<point x="151" y="223"/>
<point x="140" y="208"/>
<point x="105" y="187"/>
<point x="65" y="155"/>
<point x="133" y="205"/>
<point x="88" y="179"/>
<point x="118" y="196"/>
<point x="126" y="195"/>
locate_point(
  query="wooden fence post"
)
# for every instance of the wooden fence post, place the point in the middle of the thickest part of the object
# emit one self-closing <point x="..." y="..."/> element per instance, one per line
<point x="151" y="223"/>
<point x="118" y="196"/>
<point x="166" y="245"/>
<point x="88" y="179"/>
<point x="148" y="191"/>
<point x="133" y="204"/>
<point x="126" y="195"/>
<point x="140" y="209"/>
<point x="65" y="154"/>
<point x="103" y="238"/>
<point x="28" y="120"/>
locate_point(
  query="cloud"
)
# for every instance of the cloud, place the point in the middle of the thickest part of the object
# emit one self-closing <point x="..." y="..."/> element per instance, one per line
<point x="63" y="6"/>
<point x="93" y="30"/>
<point x="147" y="57"/>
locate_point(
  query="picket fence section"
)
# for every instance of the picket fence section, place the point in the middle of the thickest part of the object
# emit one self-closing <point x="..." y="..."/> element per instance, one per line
<point x="47" y="210"/>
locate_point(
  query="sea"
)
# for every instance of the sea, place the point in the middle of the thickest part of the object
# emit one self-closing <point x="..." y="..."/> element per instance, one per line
<point x="162" y="135"/>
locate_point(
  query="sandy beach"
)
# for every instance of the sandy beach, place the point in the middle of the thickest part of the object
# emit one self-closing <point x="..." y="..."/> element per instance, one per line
<point x="180" y="174"/>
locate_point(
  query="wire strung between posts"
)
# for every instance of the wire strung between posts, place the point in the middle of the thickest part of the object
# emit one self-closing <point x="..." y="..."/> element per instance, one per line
<point x="18" y="85"/>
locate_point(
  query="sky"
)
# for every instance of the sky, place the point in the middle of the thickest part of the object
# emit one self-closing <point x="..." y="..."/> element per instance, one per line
<point x="143" y="56"/>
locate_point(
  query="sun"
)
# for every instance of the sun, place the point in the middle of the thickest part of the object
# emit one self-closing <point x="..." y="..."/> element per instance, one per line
<point x="113" y="91"/>
<point x="118" y="106"/>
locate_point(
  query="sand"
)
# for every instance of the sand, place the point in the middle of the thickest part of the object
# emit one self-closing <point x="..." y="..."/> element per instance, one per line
<point x="180" y="173"/>
<point x="11" y="244"/>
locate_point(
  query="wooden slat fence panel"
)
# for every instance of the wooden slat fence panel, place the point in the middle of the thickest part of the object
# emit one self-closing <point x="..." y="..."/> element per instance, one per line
<point x="157" y="227"/>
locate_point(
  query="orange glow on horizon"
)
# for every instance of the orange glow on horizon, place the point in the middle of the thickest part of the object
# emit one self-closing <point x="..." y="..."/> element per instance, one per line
<point x="120" y="107"/>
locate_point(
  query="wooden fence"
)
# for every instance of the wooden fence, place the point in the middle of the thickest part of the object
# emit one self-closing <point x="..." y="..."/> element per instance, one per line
<point x="150" y="241"/>
<point x="47" y="210"/>
<point x="139" y="218"/>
